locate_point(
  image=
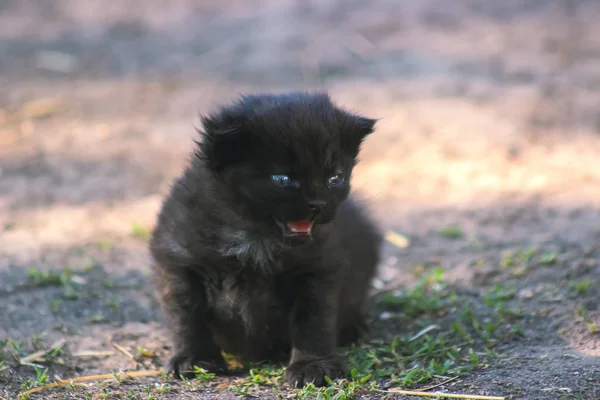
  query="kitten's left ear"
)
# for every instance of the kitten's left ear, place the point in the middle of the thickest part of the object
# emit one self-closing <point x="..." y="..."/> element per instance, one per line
<point x="355" y="129"/>
<point x="366" y="126"/>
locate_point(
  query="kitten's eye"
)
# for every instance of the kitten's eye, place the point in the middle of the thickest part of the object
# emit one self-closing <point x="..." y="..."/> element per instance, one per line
<point x="335" y="180"/>
<point x="282" y="180"/>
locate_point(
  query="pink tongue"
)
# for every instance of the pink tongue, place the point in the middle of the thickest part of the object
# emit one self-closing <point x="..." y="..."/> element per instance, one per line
<point x="303" y="226"/>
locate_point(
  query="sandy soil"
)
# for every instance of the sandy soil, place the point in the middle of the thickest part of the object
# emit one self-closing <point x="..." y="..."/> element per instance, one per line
<point x="489" y="122"/>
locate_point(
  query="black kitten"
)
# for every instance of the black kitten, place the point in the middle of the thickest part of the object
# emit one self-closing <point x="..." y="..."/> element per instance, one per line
<point x="257" y="251"/>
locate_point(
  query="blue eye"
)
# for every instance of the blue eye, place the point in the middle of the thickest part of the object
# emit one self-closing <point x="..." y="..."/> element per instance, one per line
<point x="282" y="180"/>
<point x="335" y="180"/>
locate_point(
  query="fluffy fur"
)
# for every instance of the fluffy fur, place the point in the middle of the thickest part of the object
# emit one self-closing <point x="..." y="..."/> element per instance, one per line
<point x="232" y="274"/>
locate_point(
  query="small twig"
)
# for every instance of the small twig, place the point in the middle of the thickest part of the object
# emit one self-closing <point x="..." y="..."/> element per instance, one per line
<point x="444" y="395"/>
<point x="397" y="239"/>
<point x="32" y="357"/>
<point x="124" y="351"/>
<point x="30" y="364"/>
<point x="571" y="356"/>
<point x="439" y="384"/>
<point x="422" y="332"/>
<point x="93" y="354"/>
<point x="38" y="354"/>
<point x="91" y="378"/>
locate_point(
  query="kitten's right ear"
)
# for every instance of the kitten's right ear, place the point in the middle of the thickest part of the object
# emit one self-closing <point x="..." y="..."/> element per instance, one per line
<point x="221" y="144"/>
<point x="355" y="129"/>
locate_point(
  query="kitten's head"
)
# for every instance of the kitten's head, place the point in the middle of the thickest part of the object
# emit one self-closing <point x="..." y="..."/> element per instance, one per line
<point x="285" y="159"/>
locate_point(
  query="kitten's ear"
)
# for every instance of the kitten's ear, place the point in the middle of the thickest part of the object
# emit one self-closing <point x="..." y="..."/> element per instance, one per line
<point x="222" y="144"/>
<point x="355" y="129"/>
<point x="366" y="126"/>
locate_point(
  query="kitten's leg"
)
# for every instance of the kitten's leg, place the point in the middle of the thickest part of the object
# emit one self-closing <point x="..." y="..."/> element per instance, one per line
<point x="184" y="304"/>
<point x="353" y="328"/>
<point x="313" y="334"/>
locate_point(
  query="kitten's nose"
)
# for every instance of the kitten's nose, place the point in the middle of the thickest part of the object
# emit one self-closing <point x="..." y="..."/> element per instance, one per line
<point x="316" y="205"/>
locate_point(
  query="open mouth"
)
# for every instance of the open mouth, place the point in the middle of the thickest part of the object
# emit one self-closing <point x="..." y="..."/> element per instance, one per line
<point x="302" y="228"/>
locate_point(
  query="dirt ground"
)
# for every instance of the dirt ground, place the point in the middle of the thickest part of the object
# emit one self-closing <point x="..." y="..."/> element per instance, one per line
<point x="487" y="143"/>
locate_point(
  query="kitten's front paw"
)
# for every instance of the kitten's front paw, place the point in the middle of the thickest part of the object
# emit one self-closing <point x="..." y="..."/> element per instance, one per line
<point x="183" y="364"/>
<point x="302" y="372"/>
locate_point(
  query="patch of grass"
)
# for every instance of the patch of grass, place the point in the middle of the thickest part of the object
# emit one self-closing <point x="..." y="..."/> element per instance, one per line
<point x="49" y="278"/>
<point x="17" y="347"/>
<point x="581" y="286"/>
<point x="63" y="278"/>
<point x="97" y="319"/>
<point x="424" y="298"/>
<point x="341" y="389"/>
<point x="41" y="378"/>
<point x="548" y="257"/>
<point x="516" y="331"/>
<point x="507" y="313"/>
<point x="520" y="259"/>
<point x="143" y="353"/>
<point x="508" y="259"/>
<point x="259" y="378"/>
<point x="131" y="395"/>
<point x="105" y="393"/>
<point x="140" y="231"/>
<point x="408" y="362"/>
<point x="113" y="303"/>
<point x="420" y="360"/>
<point x="520" y="272"/>
<point x="517" y="258"/>
<point x="203" y="375"/>
<point x="451" y="232"/>
<point x="498" y="293"/>
<point x="162" y="388"/>
<point x="526" y="255"/>
<point x="582" y="313"/>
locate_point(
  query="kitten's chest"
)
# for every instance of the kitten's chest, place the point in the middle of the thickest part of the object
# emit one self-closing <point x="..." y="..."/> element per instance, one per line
<point x="251" y="300"/>
<point x="250" y="249"/>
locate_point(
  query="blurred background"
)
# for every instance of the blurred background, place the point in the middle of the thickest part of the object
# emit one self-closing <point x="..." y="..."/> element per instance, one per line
<point x="477" y="98"/>
<point x="489" y="123"/>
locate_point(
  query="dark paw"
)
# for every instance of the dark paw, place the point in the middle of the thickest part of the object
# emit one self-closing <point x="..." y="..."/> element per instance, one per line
<point x="183" y="364"/>
<point x="314" y="371"/>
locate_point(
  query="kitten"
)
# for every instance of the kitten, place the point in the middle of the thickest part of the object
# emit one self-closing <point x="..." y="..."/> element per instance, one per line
<point x="258" y="251"/>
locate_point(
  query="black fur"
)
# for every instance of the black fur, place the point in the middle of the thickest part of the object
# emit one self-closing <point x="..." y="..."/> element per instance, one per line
<point x="230" y="276"/>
